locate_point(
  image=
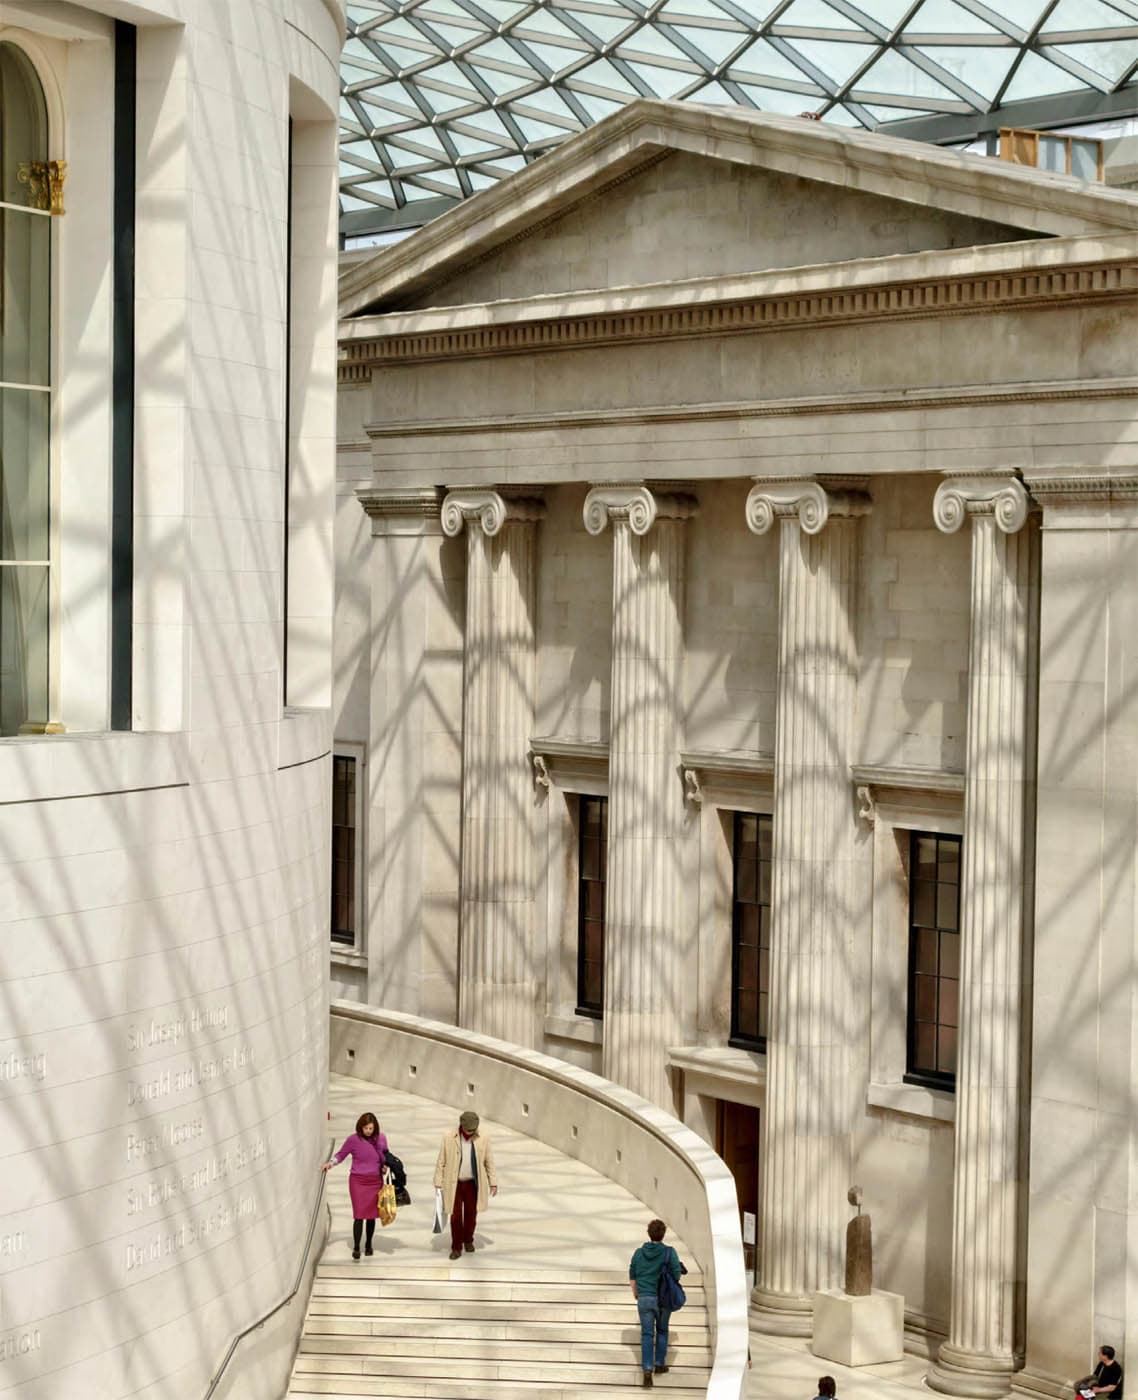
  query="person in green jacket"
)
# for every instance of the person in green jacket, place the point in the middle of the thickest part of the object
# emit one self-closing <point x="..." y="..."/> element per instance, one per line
<point x="644" y="1272"/>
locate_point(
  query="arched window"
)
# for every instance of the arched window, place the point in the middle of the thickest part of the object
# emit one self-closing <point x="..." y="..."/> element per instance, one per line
<point x="25" y="395"/>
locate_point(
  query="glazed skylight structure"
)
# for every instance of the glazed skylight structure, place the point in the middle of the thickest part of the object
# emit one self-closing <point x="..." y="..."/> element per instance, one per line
<point x="442" y="98"/>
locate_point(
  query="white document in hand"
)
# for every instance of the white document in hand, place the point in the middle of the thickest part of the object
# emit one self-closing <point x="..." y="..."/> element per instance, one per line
<point x="437" y="1228"/>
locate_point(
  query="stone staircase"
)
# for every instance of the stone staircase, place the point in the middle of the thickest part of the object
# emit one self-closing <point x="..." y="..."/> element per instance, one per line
<point x="470" y="1331"/>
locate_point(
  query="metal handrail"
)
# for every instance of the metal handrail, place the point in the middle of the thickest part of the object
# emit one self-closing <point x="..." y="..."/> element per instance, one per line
<point x="284" y="1302"/>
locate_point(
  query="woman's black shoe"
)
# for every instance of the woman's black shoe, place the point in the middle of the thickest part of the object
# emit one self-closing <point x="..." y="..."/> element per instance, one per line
<point x="367" y="1249"/>
<point x="355" y="1254"/>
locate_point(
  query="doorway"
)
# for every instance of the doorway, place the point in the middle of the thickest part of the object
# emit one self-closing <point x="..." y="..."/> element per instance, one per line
<point x="737" y="1142"/>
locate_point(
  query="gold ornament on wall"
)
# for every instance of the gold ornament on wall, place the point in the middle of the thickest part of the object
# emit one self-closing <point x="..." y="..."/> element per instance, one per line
<point x="44" y="179"/>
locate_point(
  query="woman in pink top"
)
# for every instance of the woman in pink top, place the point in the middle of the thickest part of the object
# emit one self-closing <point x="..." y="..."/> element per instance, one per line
<point x="367" y="1147"/>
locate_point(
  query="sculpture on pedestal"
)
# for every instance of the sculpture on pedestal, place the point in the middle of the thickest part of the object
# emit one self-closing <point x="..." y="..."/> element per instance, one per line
<point x="859" y="1249"/>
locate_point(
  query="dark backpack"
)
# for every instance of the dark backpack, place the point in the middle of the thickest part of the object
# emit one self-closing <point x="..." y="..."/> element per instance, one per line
<point x="669" y="1291"/>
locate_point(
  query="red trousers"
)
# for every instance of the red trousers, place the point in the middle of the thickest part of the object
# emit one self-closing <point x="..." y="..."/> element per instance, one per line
<point x="464" y="1216"/>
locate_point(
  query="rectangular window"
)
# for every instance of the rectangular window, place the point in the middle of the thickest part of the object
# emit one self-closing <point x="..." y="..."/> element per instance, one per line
<point x="343" y="850"/>
<point x="934" y="958"/>
<point x="591" y="868"/>
<point x="751" y="930"/>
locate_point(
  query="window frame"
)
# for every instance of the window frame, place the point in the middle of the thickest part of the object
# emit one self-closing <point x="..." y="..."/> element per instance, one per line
<point x="342" y="945"/>
<point x="914" y="1074"/>
<point x="585" y="1006"/>
<point x="737" y="1038"/>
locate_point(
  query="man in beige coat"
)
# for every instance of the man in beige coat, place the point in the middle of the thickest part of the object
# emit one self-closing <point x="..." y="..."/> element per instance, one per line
<point x="465" y="1174"/>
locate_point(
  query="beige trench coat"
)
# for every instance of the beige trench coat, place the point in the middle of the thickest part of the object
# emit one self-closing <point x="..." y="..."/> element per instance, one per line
<point x="449" y="1161"/>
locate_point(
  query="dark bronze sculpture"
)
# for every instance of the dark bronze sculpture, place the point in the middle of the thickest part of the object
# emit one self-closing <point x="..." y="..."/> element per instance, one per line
<point x="859" y="1249"/>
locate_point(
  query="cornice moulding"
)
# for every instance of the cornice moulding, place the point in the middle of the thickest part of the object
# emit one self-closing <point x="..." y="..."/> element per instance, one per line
<point x="908" y="779"/>
<point x="573" y="765"/>
<point x="1062" y="486"/>
<point x="962" y="294"/>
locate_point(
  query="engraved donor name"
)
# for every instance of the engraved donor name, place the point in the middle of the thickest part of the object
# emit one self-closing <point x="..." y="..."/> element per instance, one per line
<point x="19" y="1343"/>
<point x="12" y="1244"/>
<point x="151" y="1249"/>
<point x="160" y="1190"/>
<point x="14" y="1067"/>
<point x="174" y="1029"/>
<point x="140" y="1145"/>
<point x="172" y="1081"/>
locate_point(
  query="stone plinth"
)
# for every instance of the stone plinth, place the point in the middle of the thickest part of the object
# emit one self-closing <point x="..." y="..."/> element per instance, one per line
<point x="863" y="1331"/>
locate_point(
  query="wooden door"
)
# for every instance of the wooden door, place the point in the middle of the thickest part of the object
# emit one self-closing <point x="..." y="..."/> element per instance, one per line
<point x="738" y="1145"/>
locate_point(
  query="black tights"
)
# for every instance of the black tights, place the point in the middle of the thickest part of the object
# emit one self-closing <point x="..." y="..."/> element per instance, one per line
<point x="357" y="1230"/>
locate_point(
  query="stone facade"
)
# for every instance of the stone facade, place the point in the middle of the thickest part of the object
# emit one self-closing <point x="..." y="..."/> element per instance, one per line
<point x="845" y="546"/>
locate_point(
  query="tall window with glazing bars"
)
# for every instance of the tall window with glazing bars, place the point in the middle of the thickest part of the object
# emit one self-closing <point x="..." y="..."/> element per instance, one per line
<point x="934" y="958"/>
<point x="751" y="930"/>
<point x="591" y="871"/>
<point x="25" y="396"/>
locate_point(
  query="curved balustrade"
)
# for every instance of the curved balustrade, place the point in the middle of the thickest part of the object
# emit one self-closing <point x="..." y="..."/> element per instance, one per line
<point x="616" y="1132"/>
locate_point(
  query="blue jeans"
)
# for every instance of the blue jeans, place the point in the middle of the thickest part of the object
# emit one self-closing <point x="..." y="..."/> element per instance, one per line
<point x="653" y="1331"/>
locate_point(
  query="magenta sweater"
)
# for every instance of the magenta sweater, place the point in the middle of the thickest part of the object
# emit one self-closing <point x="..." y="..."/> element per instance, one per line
<point x="367" y="1155"/>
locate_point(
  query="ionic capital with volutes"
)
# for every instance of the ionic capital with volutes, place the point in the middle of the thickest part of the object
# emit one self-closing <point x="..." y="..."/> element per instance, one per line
<point x="805" y="499"/>
<point x="981" y="494"/>
<point x="490" y="509"/>
<point x="637" y="505"/>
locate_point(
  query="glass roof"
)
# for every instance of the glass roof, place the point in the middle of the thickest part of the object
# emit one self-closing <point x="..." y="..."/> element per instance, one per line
<point x="441" y="98"/>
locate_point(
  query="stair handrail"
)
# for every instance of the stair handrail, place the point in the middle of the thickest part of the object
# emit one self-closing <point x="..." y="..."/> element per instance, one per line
<point x="258" y="1323"/>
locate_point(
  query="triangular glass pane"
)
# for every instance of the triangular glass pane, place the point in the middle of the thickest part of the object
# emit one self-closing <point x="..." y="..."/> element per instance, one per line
<point x="468" y="146"/>
<point x="983" y="69"/>
<point x="1022" y="14"/>
<point x="713" y="96"/>
<point x="352" y="73"/>
<point x="894" y="74"/>
<point x="479" y="180"/>
<point x="443" y="102"/>
<point x="499" y="51"/>
<point x="816" y="14"/>
<point x="425" y="137"/>
<point x="605" y="27"/>
<point x="502" y="10"/>
<point x="555" y="59"/>
<point x="839" y="116"/>
<point x="664" y="82"/>
<point x="350" y="204"/>
<point x="357" y="49"/>
<point x="506" y="166"/>
<point x="676" y="10"/>
<point x="537" y="131"/>
<point x="943" y="17"/>
<point x="547" y="100"/>
<point x="397" y="29"/>
<point x="787" y="104"/>
<point x="888" y="13"/>
<point x="454" y="36"/>
<point x="648" y="40"/>
<point x="837" y="61"/>
<point x="597" y="107"/>
<point x="1111" y="58"/>
<point x="763" y="58"/>
<point x="501" y="84"/>
<point x="896" y="114"/>
<point x="1081" y="14"/>
<point x="759" y="10"/>
<point x="1035" y="77"/>
<point x="404" y="58"/>
<point x="603" y="75"/>
<point x="485" y="124"/>
<point x="716" y="44"/>
<point x="412" y="193"/>
<point x="544" y="22"/>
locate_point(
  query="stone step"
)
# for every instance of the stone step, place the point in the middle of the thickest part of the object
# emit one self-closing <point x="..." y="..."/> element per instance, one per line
<point x="556" y="1332"/>
<point x="609" y="1352"/>
<point x="389" y="1267"/>
<point x="480" y="1310"/>
<point x="556" y="1370"/>
<point x="475" y="1388"/>
<point x="471" y="1290"/>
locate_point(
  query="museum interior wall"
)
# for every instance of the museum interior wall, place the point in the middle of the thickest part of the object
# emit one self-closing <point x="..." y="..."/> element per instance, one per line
<point x="828" y="562"/>
<point x="164" y="787"/>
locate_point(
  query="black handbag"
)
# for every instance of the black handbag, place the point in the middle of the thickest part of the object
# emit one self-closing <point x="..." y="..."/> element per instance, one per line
<point x="670" y="1291"/>
<point x="398" y="1178"/>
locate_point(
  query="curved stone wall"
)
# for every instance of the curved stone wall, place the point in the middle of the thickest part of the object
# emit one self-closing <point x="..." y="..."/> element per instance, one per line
<point x="616" y="1132"/>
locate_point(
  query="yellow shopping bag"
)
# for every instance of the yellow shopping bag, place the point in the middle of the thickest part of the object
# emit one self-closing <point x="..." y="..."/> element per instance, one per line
<point x="386" y="1204"/>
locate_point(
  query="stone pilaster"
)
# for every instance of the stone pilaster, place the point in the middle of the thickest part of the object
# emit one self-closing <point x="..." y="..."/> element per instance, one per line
<point x="979" y="1356"/>
<point x="806" y="1139"/>
<point x="642" y="991"/>
<point x="498" y="962"/>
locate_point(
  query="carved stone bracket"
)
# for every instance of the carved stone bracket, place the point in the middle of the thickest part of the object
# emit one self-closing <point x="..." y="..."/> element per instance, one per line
<point x="541" y="778"/>
<point x="1003" y="497"/>
<point x="490" y="509"/>
<point x="866" y="806"/>
<point x="693" y="793"/>
<point x="638" y="505"/>
<point x="813" y="503"/>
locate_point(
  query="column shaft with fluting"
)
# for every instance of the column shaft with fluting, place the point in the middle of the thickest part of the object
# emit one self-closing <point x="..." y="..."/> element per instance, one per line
<point x="808" y="1120"/>
<point x="979" y="1356"/>
<point x="498" y="959"/>
<point x="642" y="987"/>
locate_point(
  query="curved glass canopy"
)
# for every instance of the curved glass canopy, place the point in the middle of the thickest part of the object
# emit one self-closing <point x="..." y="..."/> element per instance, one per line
<point x="441" y="98"/>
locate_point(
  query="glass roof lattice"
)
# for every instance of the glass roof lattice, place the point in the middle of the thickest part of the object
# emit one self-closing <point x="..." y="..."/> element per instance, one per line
<point x="442" y="98"/>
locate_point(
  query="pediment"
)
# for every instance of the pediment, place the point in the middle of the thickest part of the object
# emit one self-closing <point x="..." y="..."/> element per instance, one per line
<point x="663" y="191"/>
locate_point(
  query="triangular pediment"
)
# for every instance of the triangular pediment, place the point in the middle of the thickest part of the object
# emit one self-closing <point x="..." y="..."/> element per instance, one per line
<point x="663" y="191"/>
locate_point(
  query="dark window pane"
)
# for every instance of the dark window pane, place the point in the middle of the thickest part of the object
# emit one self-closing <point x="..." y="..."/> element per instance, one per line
<point x="746" y="881"/>
<point x="751" y="838"/>
<point x="947" y="903"/>
<point x="948" y="1012"/>
<point x="950" y="955"/>
<point x="594" y="893"/>
<point x="948" y="860"/>
<point x="764" y="1014"/>
<point x="924" y="1048"/>
<point x="924" y="998"/>
<point x="926" y="941"/>
<point x="343" y="911"/>
<point x="590" y="859"/>
<point x="924" y="903"/>
<point x="765" y="869"/>
<point x="592" y="824"/>
<point x="748" y="924"/>
<point x="747" y="1013"/>
<point x="946" y="1050"/>
<point x="924" y="858"/>
<point x="765" y="969"/>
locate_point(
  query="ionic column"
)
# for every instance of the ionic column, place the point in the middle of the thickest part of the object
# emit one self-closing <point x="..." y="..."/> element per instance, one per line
<point x="498" y="963"/>
<point x="978" y="1357"/>
<point x="808" y="1119"/>
<point x="642" y="991"/>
